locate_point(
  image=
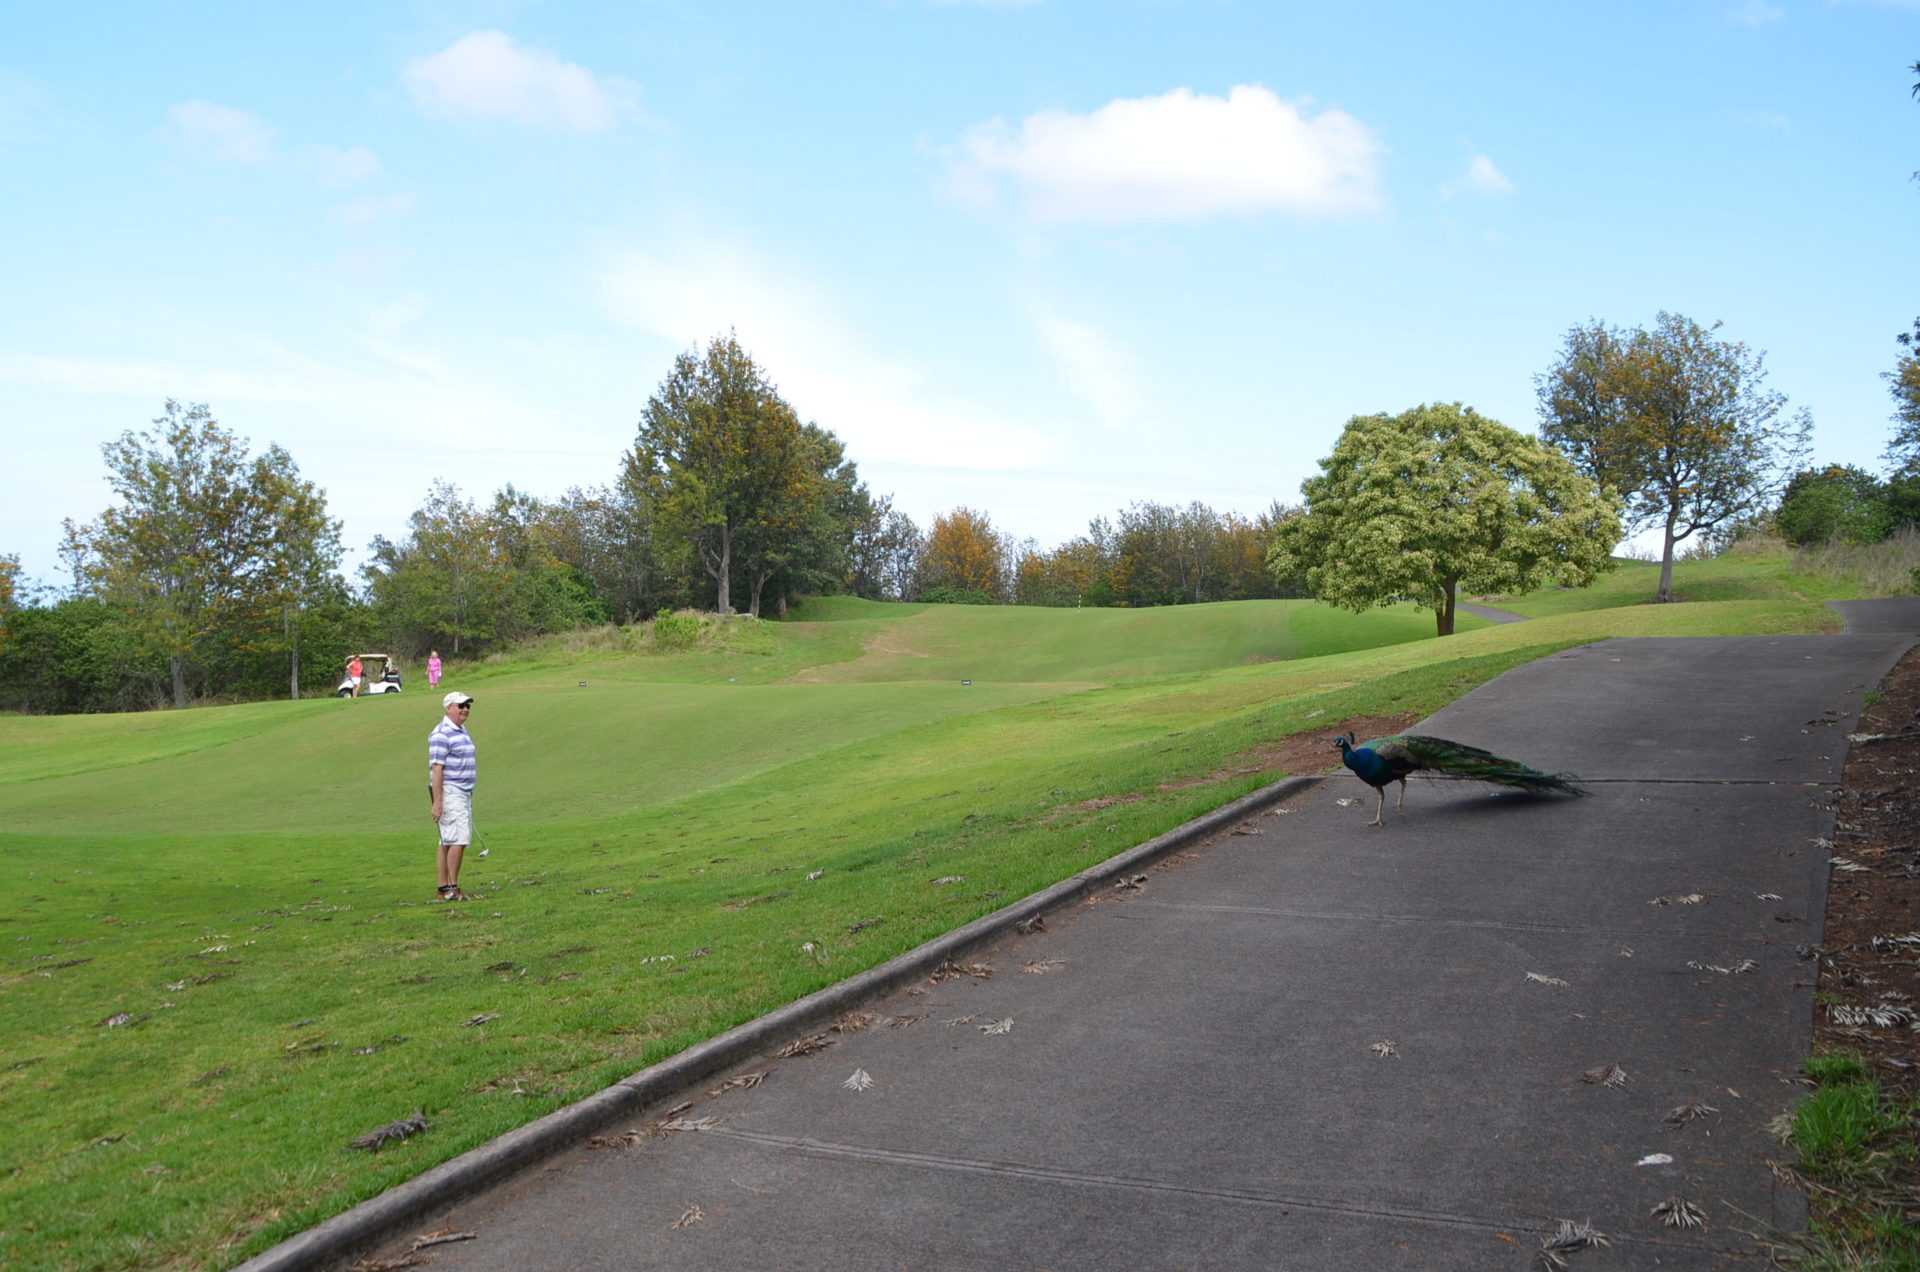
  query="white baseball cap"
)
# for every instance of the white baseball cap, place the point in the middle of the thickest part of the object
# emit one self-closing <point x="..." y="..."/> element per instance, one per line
<point x="456" y="699"/>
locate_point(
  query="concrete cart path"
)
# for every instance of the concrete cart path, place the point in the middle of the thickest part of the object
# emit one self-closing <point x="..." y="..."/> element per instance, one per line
<point x="1314" y="1044"/>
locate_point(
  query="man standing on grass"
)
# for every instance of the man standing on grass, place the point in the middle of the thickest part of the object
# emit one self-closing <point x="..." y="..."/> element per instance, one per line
<point x="450" y="772"/>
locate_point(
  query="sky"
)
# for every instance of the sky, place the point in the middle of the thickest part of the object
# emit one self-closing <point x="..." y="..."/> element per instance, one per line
<point x="1038" y="258"/>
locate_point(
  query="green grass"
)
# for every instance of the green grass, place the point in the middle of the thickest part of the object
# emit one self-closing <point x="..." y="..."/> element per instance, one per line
<point x="1859" y="1149"/>
<point x="248" y="885"/>
<point x="1767" y="571"/>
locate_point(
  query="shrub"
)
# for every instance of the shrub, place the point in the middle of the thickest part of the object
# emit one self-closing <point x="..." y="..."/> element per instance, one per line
<point x="954" y="596"/>
<point x="677" y="631"/>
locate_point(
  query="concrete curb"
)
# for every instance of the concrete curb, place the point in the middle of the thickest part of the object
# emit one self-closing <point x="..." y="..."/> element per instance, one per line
<point x="348" y="1236"/>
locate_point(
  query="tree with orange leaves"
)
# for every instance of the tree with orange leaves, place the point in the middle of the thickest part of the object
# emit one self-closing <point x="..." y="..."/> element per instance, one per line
<point x="965" y="553"/>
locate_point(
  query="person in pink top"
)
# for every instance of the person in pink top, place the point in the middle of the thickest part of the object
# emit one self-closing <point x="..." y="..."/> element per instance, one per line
<point x="433" y="669"/>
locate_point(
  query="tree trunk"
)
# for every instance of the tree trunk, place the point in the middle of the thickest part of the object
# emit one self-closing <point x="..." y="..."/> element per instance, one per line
<point x="1666" y="567"/>
<point x="723" y="573"/>
<point x="294" y="632"/>
<point x="1443" y="613"/>
<point x="178" y="666"/>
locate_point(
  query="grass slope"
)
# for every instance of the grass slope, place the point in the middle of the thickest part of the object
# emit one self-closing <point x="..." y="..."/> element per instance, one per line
<point x="220" y="967"/>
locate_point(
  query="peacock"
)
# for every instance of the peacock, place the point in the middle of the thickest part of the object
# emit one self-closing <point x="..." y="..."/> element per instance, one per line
<point x="1391" y="759"/>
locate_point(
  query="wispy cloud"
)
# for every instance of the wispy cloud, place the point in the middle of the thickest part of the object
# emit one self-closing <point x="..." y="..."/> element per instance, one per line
<point x="1754" y="13"/>
<point x="1096" y="370"/>
<point x="694" y="286"/>
<point x="375" y="208"/>
<point x="1481" y="177"/>
<point x="219" y="133"/>
<point x="1181" y="156"/>
<point x="486" y="76"/>
<point x="338" y="167"/>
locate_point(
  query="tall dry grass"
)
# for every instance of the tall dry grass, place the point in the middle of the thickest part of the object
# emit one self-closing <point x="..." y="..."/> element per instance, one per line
<point x="1888" y="568"/>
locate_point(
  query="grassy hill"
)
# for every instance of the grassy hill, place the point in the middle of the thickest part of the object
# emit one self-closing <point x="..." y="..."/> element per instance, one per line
<point x="225" y="963"/>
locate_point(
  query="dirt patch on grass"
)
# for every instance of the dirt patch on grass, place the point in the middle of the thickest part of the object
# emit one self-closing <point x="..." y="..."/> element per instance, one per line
<point x="883" y="643"/>
<point x="1108" y="801"/>
<point x="1303" y="754"/>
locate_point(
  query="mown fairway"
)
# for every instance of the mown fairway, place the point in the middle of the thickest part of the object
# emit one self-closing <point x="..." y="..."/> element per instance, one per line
<point x="223" y="962"/>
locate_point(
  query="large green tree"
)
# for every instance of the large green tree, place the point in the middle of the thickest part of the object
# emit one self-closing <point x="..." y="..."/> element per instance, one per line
<point x="723" y="461"/>
<point x="1675" y="421"/>
<point x="440" y="586"/>
<point x="208" y="545"/>
<point x="1424" y="504"/>
<point x="799" y="541"/>
<point x="1835" y="504"/>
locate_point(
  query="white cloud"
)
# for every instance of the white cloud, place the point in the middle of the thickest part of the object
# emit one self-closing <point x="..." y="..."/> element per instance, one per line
<point x="1096" y="370"/>
<point x="1182" y="156"/>
<point x="684" y="292"/>
<point x="341" y="166"/>
<point x="374" y="208"/>
<point x="1481" y="177"/>
<point x="487" y="76"/>
<point x="219" y="132"/>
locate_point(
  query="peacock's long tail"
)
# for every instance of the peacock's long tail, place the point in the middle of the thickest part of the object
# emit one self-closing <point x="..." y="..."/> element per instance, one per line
<point x="1446" y="759"/>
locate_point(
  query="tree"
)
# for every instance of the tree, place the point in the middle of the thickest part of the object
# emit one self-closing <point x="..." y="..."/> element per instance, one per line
<point x="1834" y="504"/>
<point x="303" y="554"/>
<point x="1419" y="505"/>
<point x="884" y="552"/>
<point x="207" y="544"/>
<point x="439" y="587"/>
<point x="718" y="451"/>
<point x="10" y="599"/>
<point x="1161" y="554"/>
<point x="798" y="541"/>
<point x="78" y="654"/>
<point x="964" y="553"/>
<point x="607" y="534"/>
<point x="1674" y="421"/>
<point x="1063" y="577"/>
<point x="1903" y="451"/>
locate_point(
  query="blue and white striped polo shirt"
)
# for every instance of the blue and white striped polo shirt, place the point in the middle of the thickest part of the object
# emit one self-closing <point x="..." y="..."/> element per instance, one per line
<point x="451" y="747"/>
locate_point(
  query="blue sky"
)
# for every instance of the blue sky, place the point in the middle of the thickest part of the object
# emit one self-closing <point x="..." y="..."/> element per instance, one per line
<point x="1040" y="259"/>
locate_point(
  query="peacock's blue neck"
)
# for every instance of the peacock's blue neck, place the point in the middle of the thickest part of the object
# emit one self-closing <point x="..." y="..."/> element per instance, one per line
<point x="1362" y="760"/>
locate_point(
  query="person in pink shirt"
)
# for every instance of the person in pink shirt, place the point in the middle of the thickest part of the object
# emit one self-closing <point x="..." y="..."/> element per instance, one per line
<point x="433" y="669"/>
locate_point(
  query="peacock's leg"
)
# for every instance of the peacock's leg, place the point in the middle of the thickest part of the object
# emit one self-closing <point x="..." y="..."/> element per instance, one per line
<point x="1400" y="807"/>
<point x="1380" y="815"/>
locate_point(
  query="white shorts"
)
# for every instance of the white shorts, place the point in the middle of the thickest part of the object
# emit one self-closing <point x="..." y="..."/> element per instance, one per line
<point x="456" y="815"/>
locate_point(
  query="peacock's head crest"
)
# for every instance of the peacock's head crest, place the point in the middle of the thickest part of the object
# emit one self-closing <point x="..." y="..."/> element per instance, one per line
<point x="1343" y="743"/>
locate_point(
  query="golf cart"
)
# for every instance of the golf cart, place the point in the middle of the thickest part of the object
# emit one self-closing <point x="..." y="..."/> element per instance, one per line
<point x="388" y="681"/>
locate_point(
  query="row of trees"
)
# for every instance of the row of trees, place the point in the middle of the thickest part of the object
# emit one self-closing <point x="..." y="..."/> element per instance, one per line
<point x="216" y="573"/>
<point x="218" y="570"/>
